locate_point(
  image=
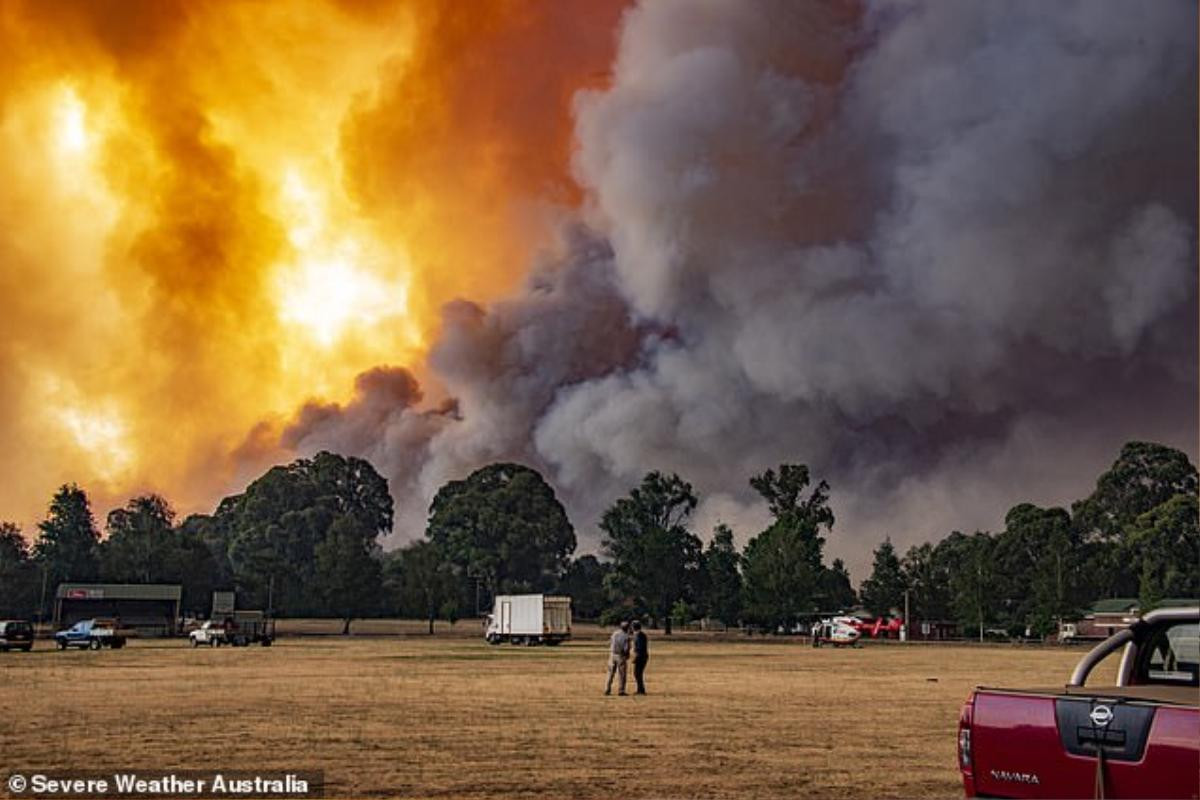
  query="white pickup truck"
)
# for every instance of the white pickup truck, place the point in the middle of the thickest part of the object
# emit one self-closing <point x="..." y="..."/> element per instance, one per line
<point x="210" y="633"/>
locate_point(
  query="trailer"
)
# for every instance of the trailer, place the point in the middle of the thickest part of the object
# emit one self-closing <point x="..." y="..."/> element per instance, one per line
<point x="529" y="619"/>
<point x="248" y="627"/>
<point x="233" y="626"/>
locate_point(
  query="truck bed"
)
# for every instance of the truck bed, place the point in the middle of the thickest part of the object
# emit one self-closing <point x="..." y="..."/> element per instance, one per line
<point x="1159" y="694"/>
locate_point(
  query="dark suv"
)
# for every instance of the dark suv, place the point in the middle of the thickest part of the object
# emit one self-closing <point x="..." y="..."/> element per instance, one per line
<point x="16" y="635"/>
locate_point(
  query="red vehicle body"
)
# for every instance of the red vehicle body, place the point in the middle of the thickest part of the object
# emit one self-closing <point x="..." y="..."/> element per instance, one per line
<point x="1139" y="738"/>
<point x="877" y="626"/>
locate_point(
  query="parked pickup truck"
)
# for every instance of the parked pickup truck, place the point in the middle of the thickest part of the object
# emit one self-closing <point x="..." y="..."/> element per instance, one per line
<point x="1137" y="738"/>
<point x="211" y="633"/>
<point x="92" y="634"/>
<point x="238" y="629"/>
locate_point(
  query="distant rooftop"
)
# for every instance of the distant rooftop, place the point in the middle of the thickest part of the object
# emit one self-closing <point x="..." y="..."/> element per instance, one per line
<point x="1128" y="605"/>
<point x="119" y="591"/>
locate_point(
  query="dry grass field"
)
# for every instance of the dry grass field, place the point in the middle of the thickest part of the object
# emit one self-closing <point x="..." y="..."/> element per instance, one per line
<point x="404" y="715"/>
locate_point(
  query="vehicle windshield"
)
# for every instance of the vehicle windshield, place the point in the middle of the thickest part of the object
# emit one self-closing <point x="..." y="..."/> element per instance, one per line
<point x="1172" y="656"/>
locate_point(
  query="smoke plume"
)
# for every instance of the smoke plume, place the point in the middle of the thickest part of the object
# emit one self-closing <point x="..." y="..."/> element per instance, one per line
<point x="942" y="253"/>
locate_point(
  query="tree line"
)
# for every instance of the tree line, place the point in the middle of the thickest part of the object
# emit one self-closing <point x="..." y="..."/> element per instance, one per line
<point x="303" y="540"/>
<point x="1135" y="536"/>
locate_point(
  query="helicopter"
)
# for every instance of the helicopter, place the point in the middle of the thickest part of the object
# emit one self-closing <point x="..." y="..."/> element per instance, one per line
<point x="836" y="631"/>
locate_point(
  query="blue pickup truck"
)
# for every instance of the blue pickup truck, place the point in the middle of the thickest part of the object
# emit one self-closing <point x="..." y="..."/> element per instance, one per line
<point x="91" y="634"/>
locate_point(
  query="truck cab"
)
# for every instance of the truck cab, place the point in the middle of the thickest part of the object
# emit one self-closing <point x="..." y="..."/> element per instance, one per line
<point x="1068" y="632"/>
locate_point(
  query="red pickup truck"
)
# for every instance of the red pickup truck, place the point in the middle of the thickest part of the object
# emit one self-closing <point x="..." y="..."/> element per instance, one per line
<point x="1139" y="738"/>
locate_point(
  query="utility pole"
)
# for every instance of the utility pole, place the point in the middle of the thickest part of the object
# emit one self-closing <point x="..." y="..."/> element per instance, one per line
<point x="979" y="593"/>
<point x="42" y="602"/>
<point x="1058" y="594"/>
<point x="475" y="575"/>
<point x="906" y="631"/>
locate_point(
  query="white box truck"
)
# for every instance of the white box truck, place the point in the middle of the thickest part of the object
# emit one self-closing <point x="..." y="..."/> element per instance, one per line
<point x="529" y="619"/>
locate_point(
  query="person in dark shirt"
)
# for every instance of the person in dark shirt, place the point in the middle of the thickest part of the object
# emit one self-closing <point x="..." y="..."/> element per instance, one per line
<point x="641" y="654"/>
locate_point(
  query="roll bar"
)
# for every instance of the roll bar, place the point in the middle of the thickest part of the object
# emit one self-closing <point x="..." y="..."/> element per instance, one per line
<point x="1129" y="638"/>
<point x="1097" y="654"/>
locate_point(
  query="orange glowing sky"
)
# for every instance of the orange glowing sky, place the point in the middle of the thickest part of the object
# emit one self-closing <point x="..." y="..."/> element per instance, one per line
<point x="214" y="212"/>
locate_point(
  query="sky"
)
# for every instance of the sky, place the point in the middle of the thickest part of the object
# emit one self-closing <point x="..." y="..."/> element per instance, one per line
<point x="944" y="254"/>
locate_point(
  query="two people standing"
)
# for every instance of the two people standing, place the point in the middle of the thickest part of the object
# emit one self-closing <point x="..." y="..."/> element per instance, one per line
<point x="625" y="638"/>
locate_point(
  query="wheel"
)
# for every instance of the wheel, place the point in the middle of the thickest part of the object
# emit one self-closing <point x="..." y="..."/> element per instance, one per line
<point x="117" y="644"/>
<point x="28" y="647"/>
<point x="493" y="638"/>
<point x="94" y="644"/>
<point x="61" y="644"/>
<point x="517" y="640"/>
<point x="195" y="643"/>
<point x="266" y="642"/>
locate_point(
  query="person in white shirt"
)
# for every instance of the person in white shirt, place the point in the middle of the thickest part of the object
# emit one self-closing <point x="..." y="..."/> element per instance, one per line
<point x="618" y="658"/>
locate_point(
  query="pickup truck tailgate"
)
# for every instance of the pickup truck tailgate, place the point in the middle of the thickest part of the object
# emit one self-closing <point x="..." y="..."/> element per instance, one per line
<point x="1045" y="745"/>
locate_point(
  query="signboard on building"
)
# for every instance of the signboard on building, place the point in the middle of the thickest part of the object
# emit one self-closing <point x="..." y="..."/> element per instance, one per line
<point x="223" y="603"/>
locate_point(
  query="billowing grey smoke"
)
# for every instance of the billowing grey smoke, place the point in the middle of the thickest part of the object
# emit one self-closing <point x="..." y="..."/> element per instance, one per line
<point x="504" y="366"/>
<point x="942" y="252"/>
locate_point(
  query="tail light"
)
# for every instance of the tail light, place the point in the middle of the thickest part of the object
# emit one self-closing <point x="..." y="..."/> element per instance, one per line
<point x="965" y="718"/>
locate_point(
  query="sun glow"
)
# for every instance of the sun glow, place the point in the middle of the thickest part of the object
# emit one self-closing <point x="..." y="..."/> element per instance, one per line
<point x="102" y="435"/>
<point x="71" y="135"/>
<point x="327" y="296"/>
<point x="336" y="282"/>
<point x="96" y="431"/>
<point x="220" y="213"/>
